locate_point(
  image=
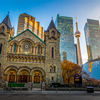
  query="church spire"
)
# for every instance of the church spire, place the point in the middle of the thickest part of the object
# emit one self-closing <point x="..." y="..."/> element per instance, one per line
<point x="51" y="25"/>
<point x="7" y="22"/>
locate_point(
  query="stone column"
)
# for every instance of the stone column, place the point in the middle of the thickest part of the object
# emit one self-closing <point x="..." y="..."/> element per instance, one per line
<point x="17" y="78"/>
<point x="41" y="51"/>
<point x="18" y="49"/>
<point x="11" y="48"/>
<point x="5" y="77"/>
<point x="32" y="50"/>
<point x="42" y="78"/>
<point x="30" y="78"/>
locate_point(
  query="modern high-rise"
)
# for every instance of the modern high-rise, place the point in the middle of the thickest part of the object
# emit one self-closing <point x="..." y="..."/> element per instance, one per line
<point x="65" y="27"/>
<point x="28" y="22"/>
<point x="92" y="36"/>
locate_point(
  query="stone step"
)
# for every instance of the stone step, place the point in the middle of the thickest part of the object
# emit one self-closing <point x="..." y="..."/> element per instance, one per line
<point x="36" y="85"/>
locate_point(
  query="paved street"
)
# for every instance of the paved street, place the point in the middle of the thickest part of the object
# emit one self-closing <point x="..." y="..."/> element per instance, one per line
<point x="49" y="97"/>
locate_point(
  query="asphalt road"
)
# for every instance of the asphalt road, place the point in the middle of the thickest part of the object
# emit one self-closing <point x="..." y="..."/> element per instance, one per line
<point x="50" y="96"/>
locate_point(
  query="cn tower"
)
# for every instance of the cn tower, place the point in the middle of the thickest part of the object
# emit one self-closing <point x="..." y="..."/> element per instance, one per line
<point x="78" y="35"/>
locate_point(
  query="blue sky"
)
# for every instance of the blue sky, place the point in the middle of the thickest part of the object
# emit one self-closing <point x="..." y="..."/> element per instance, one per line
<point x="43" y="10"/>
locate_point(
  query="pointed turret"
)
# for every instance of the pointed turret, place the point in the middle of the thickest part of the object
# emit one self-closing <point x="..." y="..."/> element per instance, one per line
<point x="7" y="22"/>
<point x="51" y="25"/>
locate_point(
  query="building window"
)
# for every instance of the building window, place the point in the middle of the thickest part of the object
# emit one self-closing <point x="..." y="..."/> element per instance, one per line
<point x="52" y="78"/>
<point x="14" y="50"/>
<point x="0" y="48"/>
<point x="53" y="34"/>
<point x="52" y="52"/>
<point x="35" y="49"/>
<point x="41" y="50"/>
<point x="50" y="69"/>
<point x="0" y="65"/>
<point x="38" y="50"/>
<point x="3" y="28"/>
<point x="54" y="69"/>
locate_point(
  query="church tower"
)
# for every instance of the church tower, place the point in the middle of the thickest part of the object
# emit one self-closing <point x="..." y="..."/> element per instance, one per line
<point x="6" y="32"/>
<point x="52" y="54"/>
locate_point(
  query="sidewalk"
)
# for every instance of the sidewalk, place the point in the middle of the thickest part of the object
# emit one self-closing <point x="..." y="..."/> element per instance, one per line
<point x="47" y="92"/>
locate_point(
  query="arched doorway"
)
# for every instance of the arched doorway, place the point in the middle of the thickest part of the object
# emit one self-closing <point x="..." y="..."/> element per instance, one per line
<point x="12" y="76"/>
<point x="24" y="76"/>
<point x="37" y="77"/>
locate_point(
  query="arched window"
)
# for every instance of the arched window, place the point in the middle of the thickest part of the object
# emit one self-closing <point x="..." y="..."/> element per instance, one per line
<point x="50" y="69"/>
<point x="52" y="78"/>
<point x="3" y="28"/>
<point x="14" y="50"/>
<point x="53" y="34"/>
<point x="0" y="48"/>
<point x="54" y="69"/>
<point x="52" y="52"/>
<point x="39" y="50"/>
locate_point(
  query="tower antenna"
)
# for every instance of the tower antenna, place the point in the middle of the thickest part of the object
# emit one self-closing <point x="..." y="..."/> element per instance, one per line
<point x="76" y="22"/>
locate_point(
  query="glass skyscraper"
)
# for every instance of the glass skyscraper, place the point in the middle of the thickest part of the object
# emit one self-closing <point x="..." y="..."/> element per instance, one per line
<point x="65" y="27"/>
<point x="92" y="36"/>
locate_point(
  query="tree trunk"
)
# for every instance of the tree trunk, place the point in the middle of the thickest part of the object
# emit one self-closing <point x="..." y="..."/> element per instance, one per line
<point x="68" y="80"/>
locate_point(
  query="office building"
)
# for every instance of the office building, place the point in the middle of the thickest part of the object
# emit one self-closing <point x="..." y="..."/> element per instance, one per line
<point x="92" y="36"/>
<point x="65" y="27"/>
<point x="28" y="22"/>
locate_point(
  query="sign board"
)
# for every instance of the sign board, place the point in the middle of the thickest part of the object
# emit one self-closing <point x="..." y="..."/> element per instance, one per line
<point x="77" y="79"/>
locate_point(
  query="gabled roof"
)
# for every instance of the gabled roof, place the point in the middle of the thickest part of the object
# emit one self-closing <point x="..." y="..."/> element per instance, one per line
<point x="25" y="31"/>
<point x="7" y="22"/>
<point x="51" y="25"/>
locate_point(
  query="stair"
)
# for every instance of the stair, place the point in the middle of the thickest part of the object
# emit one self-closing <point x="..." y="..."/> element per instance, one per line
<point x="36" y="85"/>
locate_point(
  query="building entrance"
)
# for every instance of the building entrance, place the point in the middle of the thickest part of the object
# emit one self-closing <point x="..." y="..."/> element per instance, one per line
<point x="36" y="79"/>
<point x="23" y="78"/>
<point x="11" y="78"/>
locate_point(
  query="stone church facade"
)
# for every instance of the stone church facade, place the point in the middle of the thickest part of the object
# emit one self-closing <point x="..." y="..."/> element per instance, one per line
<point x="26" y="58"/>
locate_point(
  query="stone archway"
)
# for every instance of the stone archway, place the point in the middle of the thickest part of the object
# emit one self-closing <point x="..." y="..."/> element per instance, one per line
<point x="10" y="74"/>
<point x="37" y="75"/>
<point x="23" y="75"/>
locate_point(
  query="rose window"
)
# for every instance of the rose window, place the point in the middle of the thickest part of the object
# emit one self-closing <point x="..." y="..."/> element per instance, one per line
<point x="26" y="46"/>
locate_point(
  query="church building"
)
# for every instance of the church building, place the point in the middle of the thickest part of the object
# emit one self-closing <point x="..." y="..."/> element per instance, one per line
<point x="27" y="58"/>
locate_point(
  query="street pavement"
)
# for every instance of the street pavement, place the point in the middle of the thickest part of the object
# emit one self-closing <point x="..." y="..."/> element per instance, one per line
<point x="36" y="94"/>
<point x="49" y="97"/>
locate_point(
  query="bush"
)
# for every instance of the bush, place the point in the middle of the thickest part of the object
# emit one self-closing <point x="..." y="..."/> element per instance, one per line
<point x="56" y="84"/>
